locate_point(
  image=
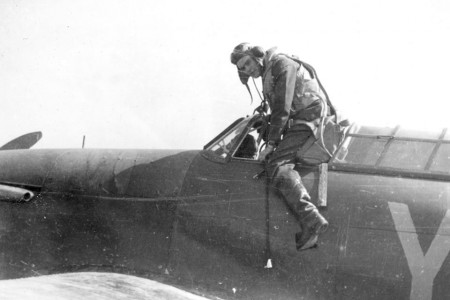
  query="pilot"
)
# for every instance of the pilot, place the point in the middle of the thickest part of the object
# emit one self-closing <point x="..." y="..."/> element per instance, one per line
<point x="295" y="101"/>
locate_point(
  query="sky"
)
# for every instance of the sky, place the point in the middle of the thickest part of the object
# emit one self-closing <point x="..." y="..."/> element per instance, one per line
<point x="157" y="74"/>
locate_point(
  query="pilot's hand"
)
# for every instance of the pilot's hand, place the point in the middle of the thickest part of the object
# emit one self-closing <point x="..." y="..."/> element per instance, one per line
<point x="269" y="149"/>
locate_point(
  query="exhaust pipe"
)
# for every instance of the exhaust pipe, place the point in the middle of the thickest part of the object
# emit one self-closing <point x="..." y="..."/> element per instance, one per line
<point x="11" y="193"/>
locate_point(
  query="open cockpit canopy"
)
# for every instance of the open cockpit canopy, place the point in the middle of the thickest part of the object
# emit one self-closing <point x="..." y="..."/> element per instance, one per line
<point x="396" y="150"/>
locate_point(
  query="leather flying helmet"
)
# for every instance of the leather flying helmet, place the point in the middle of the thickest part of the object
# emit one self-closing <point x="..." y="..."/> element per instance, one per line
<point x="243" y="49"/>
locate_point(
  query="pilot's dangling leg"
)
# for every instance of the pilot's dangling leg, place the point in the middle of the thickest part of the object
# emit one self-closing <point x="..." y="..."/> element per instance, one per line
<point x="312" y="223"/>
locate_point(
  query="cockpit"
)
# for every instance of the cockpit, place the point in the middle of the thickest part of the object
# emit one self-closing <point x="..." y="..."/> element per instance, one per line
<point x="382" y="150"/>
<point x="241" y="140"/>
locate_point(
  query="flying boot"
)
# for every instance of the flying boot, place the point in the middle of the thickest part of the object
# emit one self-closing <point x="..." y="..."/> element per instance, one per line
<point x="312" y="225"/>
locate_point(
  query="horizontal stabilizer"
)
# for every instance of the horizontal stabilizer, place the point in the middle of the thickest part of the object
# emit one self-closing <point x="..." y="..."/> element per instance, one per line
<point x="25" y="141"/>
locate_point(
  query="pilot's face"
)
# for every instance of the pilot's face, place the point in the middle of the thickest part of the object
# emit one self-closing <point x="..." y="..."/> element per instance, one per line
<point x="249" y="66"/>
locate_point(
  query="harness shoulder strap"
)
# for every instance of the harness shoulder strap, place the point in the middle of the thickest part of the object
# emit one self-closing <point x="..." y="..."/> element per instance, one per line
<point x="313" y="74"/>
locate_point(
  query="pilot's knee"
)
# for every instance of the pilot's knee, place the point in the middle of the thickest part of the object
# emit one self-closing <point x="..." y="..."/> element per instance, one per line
<point x="286" y="176"/>
<point x="287" y="172"/>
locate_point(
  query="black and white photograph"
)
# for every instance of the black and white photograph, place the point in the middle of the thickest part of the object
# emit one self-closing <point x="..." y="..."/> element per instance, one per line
<point x="224" y="150"/>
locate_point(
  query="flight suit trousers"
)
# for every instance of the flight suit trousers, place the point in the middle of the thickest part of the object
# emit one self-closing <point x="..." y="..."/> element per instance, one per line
<point x="280" y="167"/>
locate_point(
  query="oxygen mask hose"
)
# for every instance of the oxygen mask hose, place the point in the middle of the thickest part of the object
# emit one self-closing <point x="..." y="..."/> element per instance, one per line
<point x="251" y="96"/>
<point x="262" y="108"/>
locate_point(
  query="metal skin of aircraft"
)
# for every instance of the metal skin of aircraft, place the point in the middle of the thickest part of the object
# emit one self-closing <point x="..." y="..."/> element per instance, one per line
<point x="90" y="285"/>
<point x="200" y="220"/>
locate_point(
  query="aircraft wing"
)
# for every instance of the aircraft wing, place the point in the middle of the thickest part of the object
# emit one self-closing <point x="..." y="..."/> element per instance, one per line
<point x="90" y="285"/>
<point x="25" y="141"/>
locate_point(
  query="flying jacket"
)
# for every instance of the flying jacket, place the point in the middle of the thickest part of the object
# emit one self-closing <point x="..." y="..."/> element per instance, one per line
<point x="291" y="93"/>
